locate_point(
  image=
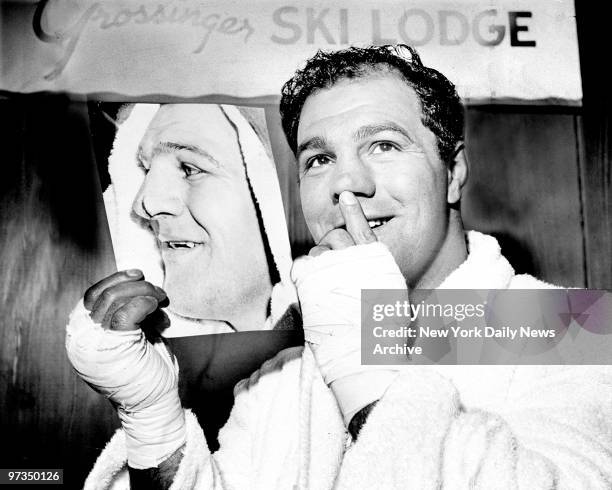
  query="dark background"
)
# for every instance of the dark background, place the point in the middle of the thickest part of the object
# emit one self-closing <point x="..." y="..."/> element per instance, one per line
<point x="540" y="181"/>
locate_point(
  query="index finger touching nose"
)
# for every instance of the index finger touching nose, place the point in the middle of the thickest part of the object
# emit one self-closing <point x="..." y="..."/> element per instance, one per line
<point x="94" y="292"/>
<point x="356" y="222"/>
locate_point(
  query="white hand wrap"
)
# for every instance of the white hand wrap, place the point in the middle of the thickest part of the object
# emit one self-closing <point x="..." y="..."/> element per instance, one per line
<point x="329" y="287"/>
<point x="140" y="378"/>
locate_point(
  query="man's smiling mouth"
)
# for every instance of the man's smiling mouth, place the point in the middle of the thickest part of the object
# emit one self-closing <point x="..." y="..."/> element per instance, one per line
<point x="375" y="223"/>
<point x="177" y="243"/>
<point x="181" y="245"/>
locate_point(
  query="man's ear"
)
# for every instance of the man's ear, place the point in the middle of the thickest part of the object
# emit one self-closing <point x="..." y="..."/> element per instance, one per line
<point x="457" y="174"/>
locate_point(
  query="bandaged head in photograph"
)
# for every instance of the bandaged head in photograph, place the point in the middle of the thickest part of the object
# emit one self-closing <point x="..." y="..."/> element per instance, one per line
<point x="195" y="204"/>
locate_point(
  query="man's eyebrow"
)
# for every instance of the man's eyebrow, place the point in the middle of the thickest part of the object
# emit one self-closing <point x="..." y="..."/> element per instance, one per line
<point x="314" y="143"/>
<point x="164" y="147"/>
<point x="372" y="129"/>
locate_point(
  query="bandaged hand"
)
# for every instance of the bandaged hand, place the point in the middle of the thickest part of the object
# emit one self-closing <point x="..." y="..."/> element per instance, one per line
<point x="109" y="350"/>
<point x="329" y="283"/>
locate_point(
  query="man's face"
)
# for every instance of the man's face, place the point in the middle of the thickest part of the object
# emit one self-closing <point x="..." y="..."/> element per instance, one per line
<point x="196" y="196"/>
<point x="366" y="136"/>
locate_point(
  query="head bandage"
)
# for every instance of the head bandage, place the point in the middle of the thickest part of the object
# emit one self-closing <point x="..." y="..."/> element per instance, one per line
<point x="329" y="287"/>
<point x="261" y="174"/>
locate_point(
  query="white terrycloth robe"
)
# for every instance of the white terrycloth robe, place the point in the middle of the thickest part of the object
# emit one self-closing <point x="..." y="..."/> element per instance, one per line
<point x="476" y="427"/>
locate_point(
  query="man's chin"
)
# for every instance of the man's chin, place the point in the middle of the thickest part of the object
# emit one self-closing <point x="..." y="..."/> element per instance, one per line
<point x="182" y="301"/>
<point x="390" y="243"/>
<point x="187" y="311"/>
<point x="399" y="254"/>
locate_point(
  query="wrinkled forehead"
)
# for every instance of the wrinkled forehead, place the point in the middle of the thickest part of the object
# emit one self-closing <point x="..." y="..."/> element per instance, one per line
<point x="201" y="125"/>
<point x="375" y="97"/>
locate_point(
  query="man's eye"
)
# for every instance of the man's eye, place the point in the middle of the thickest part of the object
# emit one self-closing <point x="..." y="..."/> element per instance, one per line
<point x="190" y="170"/>
<point x="317" y="161"/>
<point x="383" y="147"/>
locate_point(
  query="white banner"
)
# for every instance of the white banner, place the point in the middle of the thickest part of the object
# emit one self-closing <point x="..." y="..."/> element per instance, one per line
<point x="494" y="51"/>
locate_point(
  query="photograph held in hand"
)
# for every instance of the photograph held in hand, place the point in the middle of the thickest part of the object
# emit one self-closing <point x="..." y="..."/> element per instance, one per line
<point x="224" y="306"/>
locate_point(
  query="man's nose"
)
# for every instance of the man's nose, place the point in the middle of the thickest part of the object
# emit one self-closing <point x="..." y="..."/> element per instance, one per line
<point x="159" y="195"/>
<point x="352" y="174"/>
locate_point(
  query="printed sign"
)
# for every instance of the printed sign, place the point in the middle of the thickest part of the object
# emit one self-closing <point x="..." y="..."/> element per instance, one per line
<point x="499" y="50"/>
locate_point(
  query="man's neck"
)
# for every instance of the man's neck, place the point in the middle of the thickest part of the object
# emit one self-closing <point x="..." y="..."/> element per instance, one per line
<point x="452" y="254"/>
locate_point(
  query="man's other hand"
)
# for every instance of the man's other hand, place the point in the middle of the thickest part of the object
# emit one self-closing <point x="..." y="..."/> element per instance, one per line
<point x="108" y="345"/>
<point x="123" y="300"/>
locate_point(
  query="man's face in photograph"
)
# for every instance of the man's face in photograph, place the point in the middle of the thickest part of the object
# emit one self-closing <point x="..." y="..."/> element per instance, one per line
<point x="366" y="136"/>
<point x="196" y="197"/>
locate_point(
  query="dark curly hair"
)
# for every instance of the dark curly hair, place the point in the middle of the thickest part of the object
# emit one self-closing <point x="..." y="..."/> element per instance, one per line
<point x="441" y="106"/>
